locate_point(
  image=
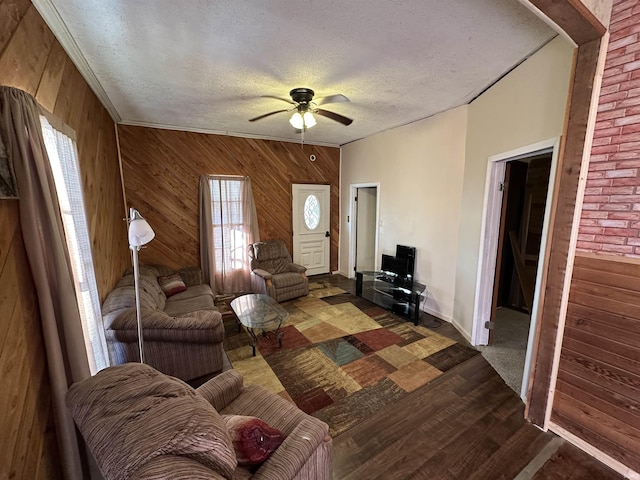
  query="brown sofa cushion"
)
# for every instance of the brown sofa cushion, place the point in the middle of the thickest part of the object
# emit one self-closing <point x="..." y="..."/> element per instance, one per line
<point x="147" y="414"/>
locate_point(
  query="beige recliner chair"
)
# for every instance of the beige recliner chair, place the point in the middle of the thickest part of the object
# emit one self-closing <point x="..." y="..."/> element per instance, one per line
<point x="274" y="273"/>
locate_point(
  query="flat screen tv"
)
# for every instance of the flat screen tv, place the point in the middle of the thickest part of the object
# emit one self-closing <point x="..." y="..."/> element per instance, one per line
<point x="402" y="265"/>
<point x="394" y="265"/>
<point x="408" y="256"/>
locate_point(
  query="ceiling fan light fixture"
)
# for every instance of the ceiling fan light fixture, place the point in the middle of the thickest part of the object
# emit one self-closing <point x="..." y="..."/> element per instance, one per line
<point x="297" y="121"/>
<point x="309" y="119"/>
<point x="302" y="121"/>
<point x="304" y="109"/>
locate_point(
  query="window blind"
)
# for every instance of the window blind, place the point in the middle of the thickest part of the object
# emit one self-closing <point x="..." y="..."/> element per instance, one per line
<point x="63" y="157"/>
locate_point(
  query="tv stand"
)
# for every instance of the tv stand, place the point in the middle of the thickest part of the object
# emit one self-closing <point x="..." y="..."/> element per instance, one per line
<point x="387" y="290"/>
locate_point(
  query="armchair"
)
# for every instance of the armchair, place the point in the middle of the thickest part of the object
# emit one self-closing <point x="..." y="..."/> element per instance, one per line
<point x="274" y="273"/>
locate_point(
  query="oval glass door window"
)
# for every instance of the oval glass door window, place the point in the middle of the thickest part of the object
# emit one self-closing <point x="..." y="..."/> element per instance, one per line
<point x="312" y="212"/>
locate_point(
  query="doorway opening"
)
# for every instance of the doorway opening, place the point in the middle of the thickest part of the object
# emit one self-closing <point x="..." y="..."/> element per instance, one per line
<point x="363" y="222"/>
<point x="519" y="189"/>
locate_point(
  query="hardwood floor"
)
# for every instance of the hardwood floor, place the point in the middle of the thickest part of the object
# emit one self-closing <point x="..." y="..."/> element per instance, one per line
<point x="466" y="424"/>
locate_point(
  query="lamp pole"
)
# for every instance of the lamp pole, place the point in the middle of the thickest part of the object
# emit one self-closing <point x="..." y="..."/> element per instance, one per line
<point x="140" y="233"/>
<point x="136" y="277"/>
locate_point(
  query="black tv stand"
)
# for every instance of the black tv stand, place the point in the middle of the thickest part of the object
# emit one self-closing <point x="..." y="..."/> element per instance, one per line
<point x="401" y="296"/>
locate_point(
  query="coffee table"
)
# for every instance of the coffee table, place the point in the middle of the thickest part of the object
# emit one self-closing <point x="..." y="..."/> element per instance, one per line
<point x="256" y="311"/>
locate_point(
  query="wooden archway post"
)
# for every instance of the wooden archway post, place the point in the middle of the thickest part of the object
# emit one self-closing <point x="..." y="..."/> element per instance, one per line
<point x="584" y="28"/>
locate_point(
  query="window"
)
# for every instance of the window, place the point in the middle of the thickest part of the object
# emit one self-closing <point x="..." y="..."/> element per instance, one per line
<point x="312" y="212"/>
<point x="228" y="224"/>
<point x="63" y="156"/>
<point x="233" y="227"/>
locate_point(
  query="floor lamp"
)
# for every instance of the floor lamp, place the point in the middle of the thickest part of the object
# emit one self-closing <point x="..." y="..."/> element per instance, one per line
<point x="140" y="233"/>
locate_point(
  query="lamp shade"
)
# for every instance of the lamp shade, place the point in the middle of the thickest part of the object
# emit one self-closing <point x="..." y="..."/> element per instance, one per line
<point x="140" y="232"/>
<point x="302" y="121"/>
<point x="309" y="119"/>
<point x="297" y="121"/>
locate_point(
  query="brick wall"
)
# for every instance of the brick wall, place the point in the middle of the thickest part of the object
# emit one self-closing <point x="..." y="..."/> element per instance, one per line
<point x="610" y="220"/>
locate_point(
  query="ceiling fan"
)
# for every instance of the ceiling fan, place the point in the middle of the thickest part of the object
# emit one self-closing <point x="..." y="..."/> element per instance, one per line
<point x="304" y="107"/>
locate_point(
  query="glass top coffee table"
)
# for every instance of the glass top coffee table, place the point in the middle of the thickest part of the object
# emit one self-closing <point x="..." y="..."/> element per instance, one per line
<point x="260" y="312"/>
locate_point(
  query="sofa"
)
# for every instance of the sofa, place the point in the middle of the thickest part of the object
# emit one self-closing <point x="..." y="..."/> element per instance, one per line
<point x="182" y="332"/>
<point x="141" y="424"/>
<point x="273" y="272"/>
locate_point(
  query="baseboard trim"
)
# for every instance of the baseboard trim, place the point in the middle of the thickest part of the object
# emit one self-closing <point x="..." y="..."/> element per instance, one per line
<point x="594" y="452"/>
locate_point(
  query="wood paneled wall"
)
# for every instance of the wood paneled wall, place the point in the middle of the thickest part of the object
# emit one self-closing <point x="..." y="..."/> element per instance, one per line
<point x="33" y="60"/>
<point x="28" y="447"/>
<point x="161" y="175"/>
<point x="598" y="389"/>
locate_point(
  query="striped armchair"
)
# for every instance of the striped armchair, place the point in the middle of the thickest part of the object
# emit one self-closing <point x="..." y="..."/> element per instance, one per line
<point x="141" y="424"/>
<point x="273" y="272"/>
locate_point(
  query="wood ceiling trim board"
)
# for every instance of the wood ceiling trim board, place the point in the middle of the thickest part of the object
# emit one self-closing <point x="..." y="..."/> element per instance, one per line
<point x="574" y="18"/>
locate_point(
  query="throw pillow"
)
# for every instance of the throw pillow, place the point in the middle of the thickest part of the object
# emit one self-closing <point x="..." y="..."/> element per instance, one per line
<point x="253" y="440"/>
<point x="172" y="284"/>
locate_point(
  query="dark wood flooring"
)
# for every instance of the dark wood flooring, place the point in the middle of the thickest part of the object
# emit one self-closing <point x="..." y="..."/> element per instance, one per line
<point x="466" y="424"/>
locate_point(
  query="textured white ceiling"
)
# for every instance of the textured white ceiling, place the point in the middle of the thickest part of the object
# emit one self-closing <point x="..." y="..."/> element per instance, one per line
<point x="203" y="65"/>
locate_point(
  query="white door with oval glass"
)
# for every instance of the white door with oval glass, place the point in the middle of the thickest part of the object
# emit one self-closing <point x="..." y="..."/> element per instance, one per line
<point x="311" y="239"/>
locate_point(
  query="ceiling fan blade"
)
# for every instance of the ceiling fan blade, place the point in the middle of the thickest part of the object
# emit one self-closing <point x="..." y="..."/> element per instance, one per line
<point x="267" y="115"/>
<point x="288" y="100"/>
<point x="334" y="116"/>
<point x="338" y="98"/>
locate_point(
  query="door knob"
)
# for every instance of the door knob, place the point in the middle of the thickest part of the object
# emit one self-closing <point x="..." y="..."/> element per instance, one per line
<point x="327" y="234"/>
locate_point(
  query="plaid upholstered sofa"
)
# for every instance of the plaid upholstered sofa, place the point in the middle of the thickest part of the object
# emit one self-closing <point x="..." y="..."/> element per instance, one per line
<point x="140" y="424"/>
<point x="273" y="272"/>
<point x="183" y="332"/>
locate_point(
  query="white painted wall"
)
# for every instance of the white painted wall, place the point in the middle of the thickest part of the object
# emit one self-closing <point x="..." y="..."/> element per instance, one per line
<point x="525" y="107"/>
<point x="432" y="175"/>
<point x="420" y="170"/>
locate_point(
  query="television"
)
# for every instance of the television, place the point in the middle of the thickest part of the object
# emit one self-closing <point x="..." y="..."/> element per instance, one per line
<point x="391" y="264"/>
<point x="408" y="256"/>
<point x="402" y="265"/>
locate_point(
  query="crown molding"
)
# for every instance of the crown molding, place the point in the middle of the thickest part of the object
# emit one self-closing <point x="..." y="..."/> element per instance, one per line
<point x="219" y="132"/>
<point x="52" y="17"/>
